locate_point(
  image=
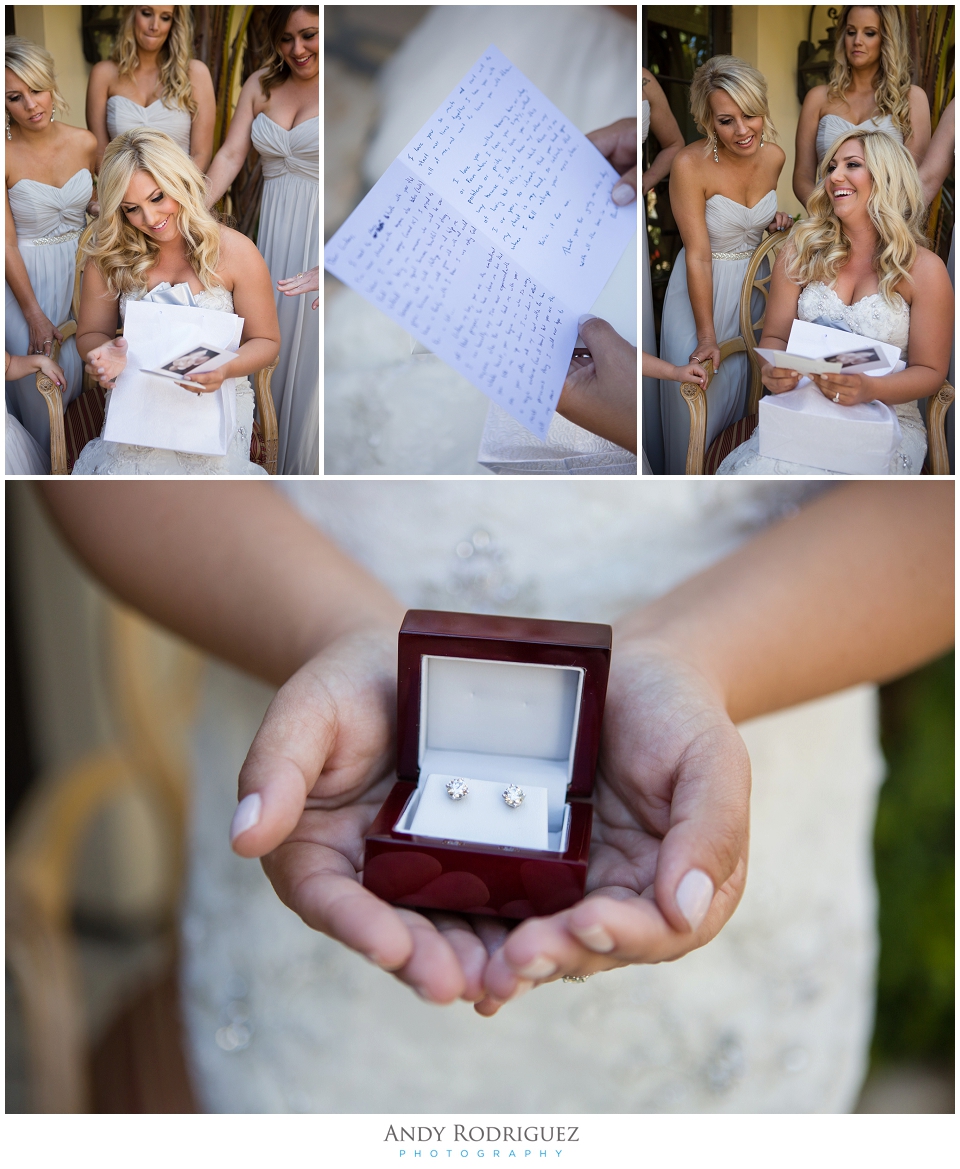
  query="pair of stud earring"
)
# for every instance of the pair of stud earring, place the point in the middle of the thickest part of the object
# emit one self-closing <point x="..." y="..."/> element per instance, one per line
<point x="513" y="796"/>
<point x="53" y="112"/>
<point x="716" y="156"/>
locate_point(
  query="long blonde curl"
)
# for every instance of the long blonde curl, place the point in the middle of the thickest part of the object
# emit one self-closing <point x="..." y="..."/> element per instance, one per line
<point x="174" y="57"/>
<point x="123" y="253"/>
<point x="892" y="90"/>
<point x="819" y="245"/>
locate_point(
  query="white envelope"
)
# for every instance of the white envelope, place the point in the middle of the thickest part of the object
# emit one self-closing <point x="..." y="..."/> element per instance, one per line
<point x="152" y="411"/>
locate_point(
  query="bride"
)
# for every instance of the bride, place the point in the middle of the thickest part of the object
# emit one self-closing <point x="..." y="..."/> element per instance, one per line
<point x="723" y="195"/>
<point x="155" y="240"/>
<point x="862" y="264"/>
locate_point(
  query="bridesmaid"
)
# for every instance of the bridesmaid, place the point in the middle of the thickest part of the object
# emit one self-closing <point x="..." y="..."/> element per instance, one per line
<point x="153" y="80"/>
<point x="869" y="89"/>
<point x="658" y="118"/>
<point x="49" y="182"/>
<point x="723" y="195"/>
<point x="278" y="114"/>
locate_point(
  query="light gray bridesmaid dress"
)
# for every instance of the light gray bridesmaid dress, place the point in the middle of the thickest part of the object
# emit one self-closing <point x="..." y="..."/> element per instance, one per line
<point x="49" y="221"/>
<point x="289" y="241"/>
<point x="735" y="231"/>
<point x="125" y="114"/>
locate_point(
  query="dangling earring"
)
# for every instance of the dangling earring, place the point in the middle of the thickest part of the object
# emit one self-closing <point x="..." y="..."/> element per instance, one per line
<point x="715" y="158"/>
<point x="9" y="135"/>
<point x="53" y="110"/>
<point x="761" y="140"/>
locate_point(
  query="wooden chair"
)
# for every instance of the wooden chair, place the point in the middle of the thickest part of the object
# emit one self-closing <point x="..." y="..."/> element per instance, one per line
<point x="706" y="462"/>
<point x="140" y="1066"/>
<point x="73" y="428"/>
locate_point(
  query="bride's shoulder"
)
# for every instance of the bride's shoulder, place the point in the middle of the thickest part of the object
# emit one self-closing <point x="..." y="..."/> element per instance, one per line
<point x="238" y="253"/>
<point x="929" y="274"/>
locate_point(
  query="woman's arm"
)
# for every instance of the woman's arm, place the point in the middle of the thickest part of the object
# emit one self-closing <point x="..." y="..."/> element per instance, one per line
<point x="97" y="91"/>
<point x="919" y="139"/>
<point x="688" y="204"/>
<point x="663" y="126"/>
<point x="938" y="161"/>
<point x="781" y="313"/>
<point x="246" y="272"/>
<point x="229" y="158"/>
<point x="201" y="127"/>
<point x="42" y="330"/>
<point x="805" y="166"/>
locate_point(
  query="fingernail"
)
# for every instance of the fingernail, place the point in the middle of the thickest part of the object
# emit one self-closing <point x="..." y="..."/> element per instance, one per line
<point x="623" y="194"/>
<point x="540" y="967"/>
<point x="694" y="894"/>
<point x="247" y="814"/>
<point x="523" y="985"/>
<point x="586" y="317"/>
<point x="595" y="938"/>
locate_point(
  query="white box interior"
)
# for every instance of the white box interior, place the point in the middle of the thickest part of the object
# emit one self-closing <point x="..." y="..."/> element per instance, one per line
<point x="502" y="722"/>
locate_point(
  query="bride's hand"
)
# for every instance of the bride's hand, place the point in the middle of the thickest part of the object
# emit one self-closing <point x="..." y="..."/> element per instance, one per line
<point x="668" y="858"/>
<point x="704" y="350"/>
<point x="210" y="381"/>
<point x="107" y="362"/>
<point x="846" y="389"/>
<point x="776" y="379"/>
<point x="310" y="788"/>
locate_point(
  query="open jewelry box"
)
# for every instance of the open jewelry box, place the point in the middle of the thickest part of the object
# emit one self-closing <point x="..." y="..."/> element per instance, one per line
<point x="494" y="702"/>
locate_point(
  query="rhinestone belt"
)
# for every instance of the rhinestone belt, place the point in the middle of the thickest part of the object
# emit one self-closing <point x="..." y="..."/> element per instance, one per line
<point x="53" y="239"/>
<point x="731" y="255"/>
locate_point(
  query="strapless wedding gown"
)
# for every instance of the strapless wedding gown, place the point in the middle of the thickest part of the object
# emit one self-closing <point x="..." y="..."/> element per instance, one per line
<point x="735" y="231"/>
<point x="289" y="241"/>
<point x="125" y="114"/>
<point x="831" y="126"/>
<point x="49" y="221"/>
<point x="775" y="1015"/>
<point x="101" y="457"/>
<point x="869" y="317"/>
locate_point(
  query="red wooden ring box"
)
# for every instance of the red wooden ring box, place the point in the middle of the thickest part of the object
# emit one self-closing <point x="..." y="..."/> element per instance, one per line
<point x="501" y="699"/>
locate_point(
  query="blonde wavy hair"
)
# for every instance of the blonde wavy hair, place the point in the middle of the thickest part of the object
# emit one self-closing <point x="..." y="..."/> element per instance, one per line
<point x="740" y="81"/>
<point x="895" y="206"/>
<point x="34" y="66"/>
<point x="174" y="57"/>
<point x="275" y="69"/>
<point x="123" y="253"/>
<point x="892" y="90"/>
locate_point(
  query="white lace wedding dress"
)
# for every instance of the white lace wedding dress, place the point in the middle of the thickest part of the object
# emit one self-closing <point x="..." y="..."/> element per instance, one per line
<point x="101" y="457"/>
<point x="869" y="317"/>
<point x="773" y="1016"/>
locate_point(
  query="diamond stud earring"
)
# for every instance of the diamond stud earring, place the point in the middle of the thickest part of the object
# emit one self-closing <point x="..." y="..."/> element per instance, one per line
<point x="457" y="788"/>
<point x="513" y="796"/>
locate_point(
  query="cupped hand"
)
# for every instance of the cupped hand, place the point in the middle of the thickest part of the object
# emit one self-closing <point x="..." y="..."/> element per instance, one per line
<point x="618" y="144"/>
<point x="778" y="380"/>
<point x="780" y="222"/>
<point x="668" y="856"/>
<point x="211" y="381"/>
<point x="310" y="788"/>
<point x="707" y="350"/>
<point x="42" y="334"/>
<point x="846" y="389"/>
<point x="304" y="282"/>
<point x="107" y="362"/>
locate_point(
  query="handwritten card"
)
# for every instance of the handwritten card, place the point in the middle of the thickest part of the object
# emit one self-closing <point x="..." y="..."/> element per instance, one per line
<point x="489" y="236"/>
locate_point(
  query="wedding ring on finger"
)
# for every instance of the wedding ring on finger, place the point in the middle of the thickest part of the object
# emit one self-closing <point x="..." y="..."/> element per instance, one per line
<point x="513" y="796"/>
<point x="576" y="977"/>
<point x="836" y="397"/>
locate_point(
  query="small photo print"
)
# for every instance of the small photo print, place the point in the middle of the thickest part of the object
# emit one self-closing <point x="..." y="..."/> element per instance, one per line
<point x="857" y="358"/>
<point x="189" y="361"/>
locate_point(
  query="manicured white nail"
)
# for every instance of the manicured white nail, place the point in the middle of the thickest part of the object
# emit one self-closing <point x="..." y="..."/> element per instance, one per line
<point x="623" y="194"/>
<point x="595" y="938"/>
<point x="694" y="894"/>
<point x="246" y="815"/>
<point x="540" y="967"/>
<point x="586" y="317"/>
<point x="523" y="985"/>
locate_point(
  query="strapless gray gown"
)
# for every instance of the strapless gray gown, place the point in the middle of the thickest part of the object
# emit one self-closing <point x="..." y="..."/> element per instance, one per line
<point x="42" y="214"/>
<point x="735" y="231"/>
<point x="125" y="114"/>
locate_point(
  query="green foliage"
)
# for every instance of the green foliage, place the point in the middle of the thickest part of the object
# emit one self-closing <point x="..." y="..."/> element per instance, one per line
<point x="914" y="852"/>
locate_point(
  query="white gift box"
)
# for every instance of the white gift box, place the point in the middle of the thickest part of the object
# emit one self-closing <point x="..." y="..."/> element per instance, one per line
<point x="145" y="410"/>
<point x="802" y="426"/>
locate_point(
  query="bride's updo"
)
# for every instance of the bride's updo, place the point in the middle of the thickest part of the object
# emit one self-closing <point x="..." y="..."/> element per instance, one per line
<point x="741" y="82"/>
<point x="895" y="206"/>
<point x="123" y="253"/>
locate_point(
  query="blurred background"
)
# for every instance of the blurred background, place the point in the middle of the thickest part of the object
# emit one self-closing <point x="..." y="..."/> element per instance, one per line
<point x="98" y="717"/>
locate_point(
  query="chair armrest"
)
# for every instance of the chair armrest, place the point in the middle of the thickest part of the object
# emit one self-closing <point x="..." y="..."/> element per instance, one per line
<point x="695" y="396"/>
<point x="937" y="453"/>
<point x="268" y="414"/>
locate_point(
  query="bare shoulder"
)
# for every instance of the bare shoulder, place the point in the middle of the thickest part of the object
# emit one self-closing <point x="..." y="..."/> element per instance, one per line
<point x="689" y="161"/>
<point x="928" y="266"/>
<point x="919" y="97"/>
<point x="777" y="154"/>
<point x="236" y="248"/>
<point x="816" y="100"/>
<point x="104" y="71"/>
<point x="197" y="69"/>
